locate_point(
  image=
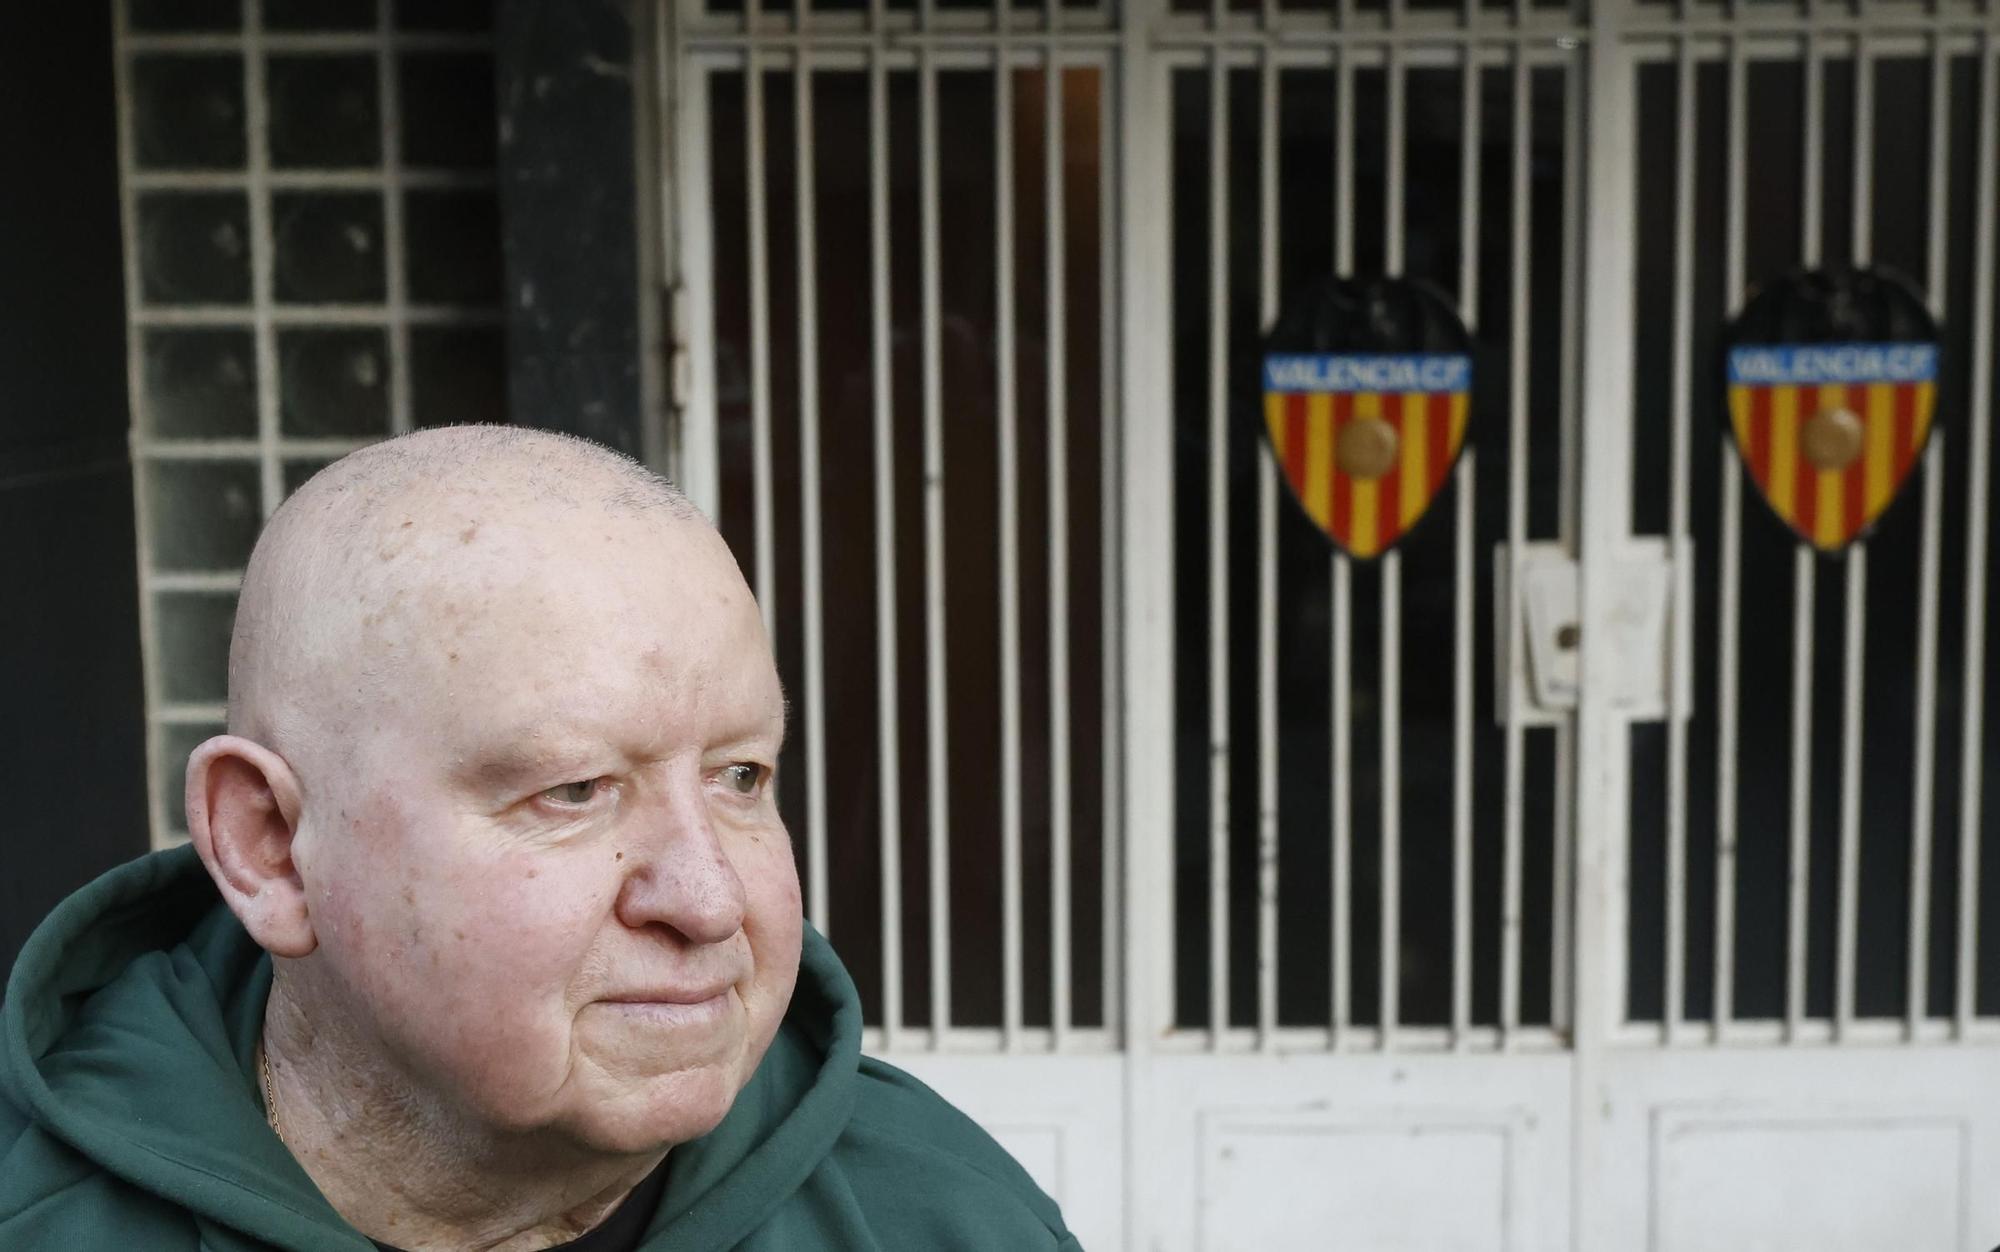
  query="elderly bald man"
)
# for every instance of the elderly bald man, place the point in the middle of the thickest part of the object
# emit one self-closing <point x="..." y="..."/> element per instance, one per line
<point x="489" y="935"/>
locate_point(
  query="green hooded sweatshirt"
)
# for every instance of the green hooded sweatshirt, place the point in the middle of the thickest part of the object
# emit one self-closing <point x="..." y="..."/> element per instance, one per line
<point x="130" y="1119"/>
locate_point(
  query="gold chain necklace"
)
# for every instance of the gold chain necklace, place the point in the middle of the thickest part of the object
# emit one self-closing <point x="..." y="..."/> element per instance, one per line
<point x="270" y="1095"/>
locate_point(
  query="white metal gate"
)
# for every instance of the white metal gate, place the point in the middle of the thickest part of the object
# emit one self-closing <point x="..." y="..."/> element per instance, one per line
<point x="1258" y="898"/>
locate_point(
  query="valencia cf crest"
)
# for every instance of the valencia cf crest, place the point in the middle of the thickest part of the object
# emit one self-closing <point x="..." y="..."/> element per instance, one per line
<point x="1366" y="389"/>
<point x="1832" y="379"/>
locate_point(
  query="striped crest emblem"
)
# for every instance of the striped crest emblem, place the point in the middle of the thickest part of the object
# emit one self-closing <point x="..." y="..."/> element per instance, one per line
<point x="1830" y="431"/>
<point x="1366" y="439"/>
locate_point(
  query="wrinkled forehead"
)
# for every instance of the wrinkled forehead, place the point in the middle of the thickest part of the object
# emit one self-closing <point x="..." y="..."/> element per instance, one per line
<point x="559" y="624"/>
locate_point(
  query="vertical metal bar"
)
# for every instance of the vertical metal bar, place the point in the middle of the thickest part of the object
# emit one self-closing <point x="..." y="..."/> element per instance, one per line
<point x="1850" y="789"/>
<point x="1009" y="471"/>
<point x="1147" y="578"/>
<point x="1923" y="787"/>
<point x="1680" y="617"/>
<point x="1862" y="173"/>
<point x="1803" y="572"/>
<point x="390" y="98"/>
<point x="1218" y="548"/>
<point x="1341" y="642"/>
<point x="1517" y="538"/>
<point x="813" y="610"/>
<point x="936" y="708"/>
<point x="1109" y="566"/>
<point x="256" y="115"/>
<point x="763" y="485"/>
<point x="1392" y="601"/>
<point x="887" y="675"/>
<point x="1267" y="573"/>
<point x="1564" y="832"/>
<point x="1463" y="582"/>
<point x="1603" y="531"/>
<point x="1729" y="570"/>
<point x="688" y="243"/>
<point x="1801" y="780"/>
<point x="1857" y="601"/>
<point x="1971" y="740"/>
<point x="1391" y="777"/>
<point x="1809" y="153"/>
<point x="1057" y="456"/>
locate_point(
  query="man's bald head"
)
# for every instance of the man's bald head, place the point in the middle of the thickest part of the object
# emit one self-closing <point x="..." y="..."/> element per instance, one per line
<point x="344" y="565"/>
<point x="499" y="792"/>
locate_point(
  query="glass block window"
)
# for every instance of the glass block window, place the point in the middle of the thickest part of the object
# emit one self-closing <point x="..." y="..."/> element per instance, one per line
<point x="312" y="258"/>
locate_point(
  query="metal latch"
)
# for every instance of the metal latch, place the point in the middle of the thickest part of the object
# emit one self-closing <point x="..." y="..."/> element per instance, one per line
<point x="1544" y="682"/>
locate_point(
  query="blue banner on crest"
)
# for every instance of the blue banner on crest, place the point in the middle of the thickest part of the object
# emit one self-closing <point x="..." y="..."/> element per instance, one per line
<point x="1783" y="365"/>
<point x="1367" y="371"/>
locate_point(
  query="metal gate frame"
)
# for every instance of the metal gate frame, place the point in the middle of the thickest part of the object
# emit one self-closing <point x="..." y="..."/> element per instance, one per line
<point x="1606" y="549"/>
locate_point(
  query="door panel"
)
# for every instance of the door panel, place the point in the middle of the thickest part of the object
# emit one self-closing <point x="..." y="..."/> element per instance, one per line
<point x="1384" y="1153"/>
<point x="1094" y="730"/>
<point x="1846" y="1148"/>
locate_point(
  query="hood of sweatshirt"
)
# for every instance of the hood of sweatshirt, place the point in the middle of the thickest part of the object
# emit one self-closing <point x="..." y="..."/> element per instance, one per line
<point x="128" y="1038"/>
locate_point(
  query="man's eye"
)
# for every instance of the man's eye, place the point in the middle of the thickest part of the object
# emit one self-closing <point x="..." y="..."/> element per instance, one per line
<point x="574" y="792"/>
<point x="744" y="779"/>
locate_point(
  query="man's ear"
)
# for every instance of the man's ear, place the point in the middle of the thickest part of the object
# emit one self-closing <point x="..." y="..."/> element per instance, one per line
<point x="243" y="806"/>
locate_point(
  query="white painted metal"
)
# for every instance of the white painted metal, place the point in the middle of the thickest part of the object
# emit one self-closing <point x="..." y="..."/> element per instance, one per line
<point x="1146" y="592"/>
<point x="1213" y="1126"/>
<point x="1463" y="572"/>
<point x="1853" y="654"/>
<point x="1267" y="570"/>
<point x="764" y="574"/>
<point x="813" y="605"/>
<point x="1605" y="474"/>
<point x="1009" y="471"/>
<point x="936" y="719"/>
<point x="1680" y="615"/>
<point x="1568" y="422"/>
<point x="1512" y="800"/>
<point x="689" y="250"/>
<point x="1342" y="595"/>
<point x="1390" y="689"/>
<point x="1056" y="452"/>
<point x="1972" y="724"/>
<point x="1859" y="1148"/>
<point x="1730" y="574"/>
<point x="1112" y="554"/>
<point x="1924" y="734"/>
<point x="1803" y="589"/>
<point x="1218" y="546"/>
<point x="889" y="741"/>
<point x="1850" y="790"/>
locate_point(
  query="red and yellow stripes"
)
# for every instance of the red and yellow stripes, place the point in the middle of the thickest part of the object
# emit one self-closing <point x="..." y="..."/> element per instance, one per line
<point x="1829" y="507"/>
<point x="1365" y="515"/>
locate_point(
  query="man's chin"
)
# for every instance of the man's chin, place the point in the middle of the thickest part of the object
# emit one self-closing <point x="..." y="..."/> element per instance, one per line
<point x="661" y="1112"/>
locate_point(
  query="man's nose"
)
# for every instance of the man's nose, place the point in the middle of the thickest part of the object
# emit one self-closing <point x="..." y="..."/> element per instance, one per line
<point x="681" y="876"/>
